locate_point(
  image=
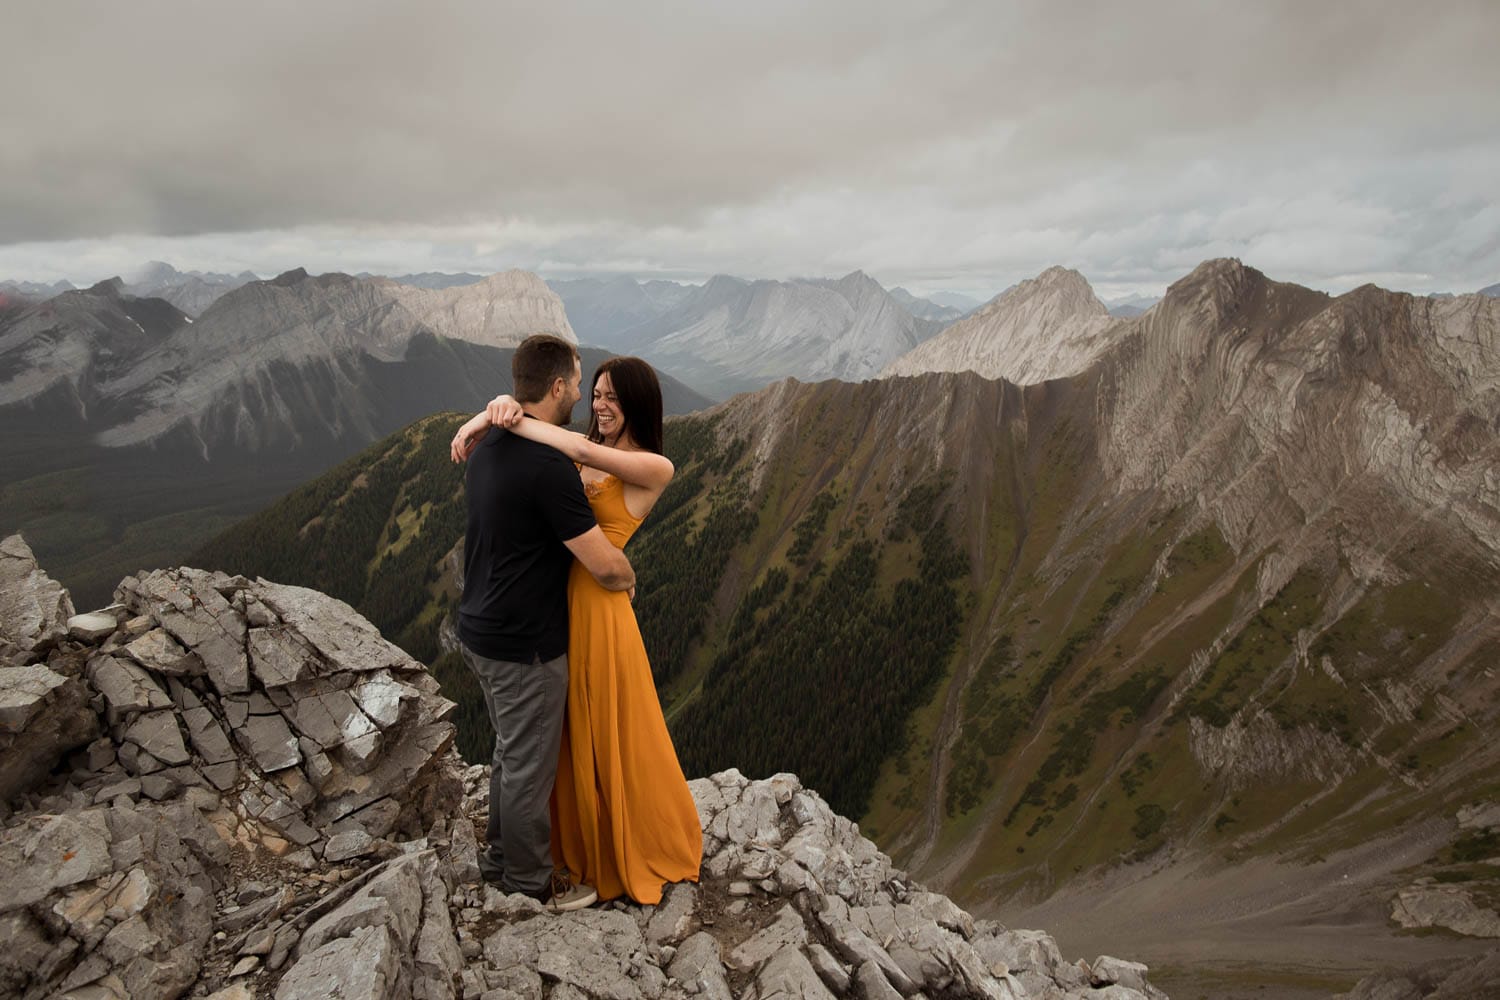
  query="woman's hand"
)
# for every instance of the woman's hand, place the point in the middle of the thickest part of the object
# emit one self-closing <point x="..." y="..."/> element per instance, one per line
<point x="468" y="436"/>
<point x="504" y="411"/>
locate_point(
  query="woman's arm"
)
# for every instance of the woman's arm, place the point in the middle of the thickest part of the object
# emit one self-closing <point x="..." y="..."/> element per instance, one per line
<point x="467" y="439"/>
<point x="639" y="468"/>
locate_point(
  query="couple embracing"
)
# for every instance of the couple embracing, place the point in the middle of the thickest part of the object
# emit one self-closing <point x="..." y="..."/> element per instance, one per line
<point x="587" y="799"/>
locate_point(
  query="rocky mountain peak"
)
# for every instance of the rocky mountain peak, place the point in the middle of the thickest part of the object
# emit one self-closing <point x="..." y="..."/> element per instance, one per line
<point x="154" y="271"/>
<point x="111" y="287"/>
<point x="1061" y="287"/>
<point x="1042" y="328"/>
<point x="1216" y="288"/>
<point x="295" y="276"/>
<point x="218" y="784"/>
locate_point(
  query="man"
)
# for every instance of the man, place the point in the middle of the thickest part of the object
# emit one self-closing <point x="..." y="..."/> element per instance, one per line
<point x="528" y="520"/>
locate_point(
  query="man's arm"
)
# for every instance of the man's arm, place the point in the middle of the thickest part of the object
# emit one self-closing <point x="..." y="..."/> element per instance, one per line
<point x="599" y="556"/>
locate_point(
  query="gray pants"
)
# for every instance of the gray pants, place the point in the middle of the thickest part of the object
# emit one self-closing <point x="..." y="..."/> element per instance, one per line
<point x="526" y="703"/>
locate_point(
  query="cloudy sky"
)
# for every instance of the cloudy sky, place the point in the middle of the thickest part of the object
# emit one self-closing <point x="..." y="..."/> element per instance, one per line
<point x="957" y="146"/>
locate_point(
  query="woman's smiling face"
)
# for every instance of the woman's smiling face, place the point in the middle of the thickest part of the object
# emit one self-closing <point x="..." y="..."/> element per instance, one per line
<point x="607" y="415"/>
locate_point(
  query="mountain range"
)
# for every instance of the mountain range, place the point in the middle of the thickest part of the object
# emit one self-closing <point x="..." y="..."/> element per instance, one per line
<point x="732" y="336"/>
<point x="134" y="431"/>
<point x="1223" y="599"/>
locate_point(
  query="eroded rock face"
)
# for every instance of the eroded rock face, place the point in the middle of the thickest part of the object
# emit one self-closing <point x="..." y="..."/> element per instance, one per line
<point x="34" y="608"/>
<point x="198" y="761"/>
<point x="1444" y="906"/>
<point x="265" y="803"/>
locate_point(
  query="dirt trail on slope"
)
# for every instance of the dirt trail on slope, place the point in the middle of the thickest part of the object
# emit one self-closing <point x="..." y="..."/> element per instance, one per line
<point x="1262" y="928"/>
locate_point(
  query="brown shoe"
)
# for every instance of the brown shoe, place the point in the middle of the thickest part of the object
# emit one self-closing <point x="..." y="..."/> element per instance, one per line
<point x="566" y="896"/>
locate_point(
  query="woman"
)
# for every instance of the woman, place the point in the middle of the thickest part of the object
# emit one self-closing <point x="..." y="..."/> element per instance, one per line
<point x="623" y="819"/>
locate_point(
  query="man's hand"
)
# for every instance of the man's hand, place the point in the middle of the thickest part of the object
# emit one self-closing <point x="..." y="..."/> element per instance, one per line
<point x="604" y="562"/>
<point x="504" y="411"/>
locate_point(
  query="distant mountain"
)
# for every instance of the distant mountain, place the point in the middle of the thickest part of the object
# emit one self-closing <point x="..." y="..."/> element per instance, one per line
<point x="1047" y="327"/>
<point x="732" y="335"/>
<point x="1131" y="306"/>
<point x="1224" y="595"/>
<point x="132" y="432"/>
<point x="191" y="291"/>
<point x="34" y="290"/>
<point x="955" y="300"/>
<point x="926" y="308"/>
<point x="66" y="347"/>
<point x="433" y="279"/>
<point x="603" y="310"/>
<point x="1493" y="291"/>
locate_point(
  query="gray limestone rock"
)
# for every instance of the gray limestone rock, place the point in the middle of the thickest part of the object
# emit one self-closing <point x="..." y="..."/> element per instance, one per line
<point x="591" y="950"/>
<point x="856" y="947"/>
<point x="157" y="733"/>
<point x="259" y="912"/>
<point x="436" y="956"/>
<point x="92" y="627"/>
<point x="362" y="966"/>
<point x="1031" y="956"/>
<point x="278" y="656"/>
<point x="380" y="698"/>
<point x="672" y="919"/>
<point x="23" y="693"/>
<point x="391" y="898"/>
<point x="829" y="969"/>
<point x="346" y="640"/>
<point x="1479" y="816"/>
<point x="349" y="844"/>
<point x="34" y="609"/>
<point x="158" y="651"/>
<point x="207" y="736"/>
<point x="870" y="983"/>
<point x="186" y="604"/>
<point x="697" y="966"/>
<point x="463" y="854"/>
<point x="1444" y="906"/>
<point x="125" y="686"/>
<point x="46" y="853"/>
<point x="267" y="739"/>
<point x="1106" y="970"/>
<point x="328" y="717"/>
<point x="787" y="930"/>
<point x="789" y="974"/>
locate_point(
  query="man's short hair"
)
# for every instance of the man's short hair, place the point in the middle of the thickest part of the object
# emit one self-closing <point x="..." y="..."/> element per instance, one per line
<point x="541" y="360"/>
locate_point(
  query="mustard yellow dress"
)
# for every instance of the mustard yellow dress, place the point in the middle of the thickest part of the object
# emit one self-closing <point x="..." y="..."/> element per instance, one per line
<point x="623" y="820"/>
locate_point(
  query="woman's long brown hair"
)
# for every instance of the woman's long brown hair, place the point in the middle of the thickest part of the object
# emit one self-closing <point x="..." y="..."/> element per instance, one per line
<point x="638" y="392"/>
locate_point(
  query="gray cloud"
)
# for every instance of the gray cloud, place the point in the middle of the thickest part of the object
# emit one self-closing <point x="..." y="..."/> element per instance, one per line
<point x="956" y="145"/>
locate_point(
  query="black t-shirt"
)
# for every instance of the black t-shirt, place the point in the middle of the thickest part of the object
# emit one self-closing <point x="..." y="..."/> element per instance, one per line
<point x="525" y="499"/>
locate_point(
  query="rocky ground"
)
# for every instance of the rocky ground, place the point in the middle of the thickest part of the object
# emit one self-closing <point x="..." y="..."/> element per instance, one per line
<point x="226" y="788"/>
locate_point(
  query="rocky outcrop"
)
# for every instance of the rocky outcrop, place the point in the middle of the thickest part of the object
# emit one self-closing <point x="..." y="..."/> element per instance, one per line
<point x="34" y="609"/>
<point x="271" y="808"/>
<point x="1453" y="979"/>
<point x="1450" y="906"/>
<point x="792" y="901"/>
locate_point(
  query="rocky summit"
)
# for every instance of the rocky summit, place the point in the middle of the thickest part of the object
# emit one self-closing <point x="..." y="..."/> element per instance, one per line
<point x="233" y="788"/>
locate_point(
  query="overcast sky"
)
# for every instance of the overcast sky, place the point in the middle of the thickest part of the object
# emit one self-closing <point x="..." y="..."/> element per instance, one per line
<point x="936" y="146"/>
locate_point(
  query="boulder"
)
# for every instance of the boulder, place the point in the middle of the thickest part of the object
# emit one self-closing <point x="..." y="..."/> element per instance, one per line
<point x="44" y="716"/>
<point x="34" y="608"/>
<point x="1444" y="906"/>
